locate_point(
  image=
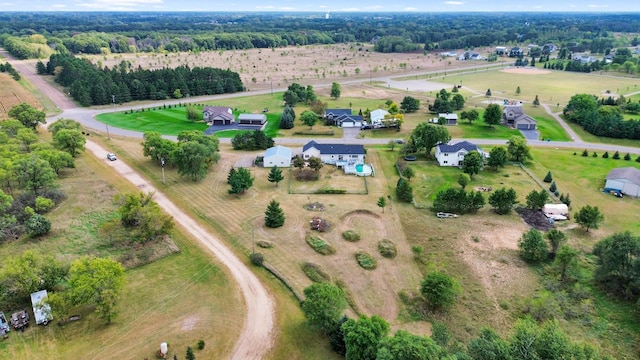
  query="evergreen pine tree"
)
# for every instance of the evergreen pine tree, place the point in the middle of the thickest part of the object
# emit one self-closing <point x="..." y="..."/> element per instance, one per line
<point x="585" y="153"/>
<point x="616" y="156"/>
<point x="230" y="176"/>
<point x="488" y="93"/>
<point x="275" y="175"/>
<point x="536" y="101"/>
<point x="605" y="155"/>
<point x="274" y="216"/>
<point x="548" y="178"/>
<point x="627" y="157"/>
<point x="553" y="187"/>
<point x="190" y="354"/>
<point x="404" y="191"/>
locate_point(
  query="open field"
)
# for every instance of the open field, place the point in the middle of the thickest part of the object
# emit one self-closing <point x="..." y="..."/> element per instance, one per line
<point x="13" y="93"/>
<point x="162" y="301"/>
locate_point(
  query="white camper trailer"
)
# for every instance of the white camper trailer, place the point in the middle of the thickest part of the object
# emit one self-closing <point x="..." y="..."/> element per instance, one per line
<point x="556" y="211"/>
<point x="41" y="311"/>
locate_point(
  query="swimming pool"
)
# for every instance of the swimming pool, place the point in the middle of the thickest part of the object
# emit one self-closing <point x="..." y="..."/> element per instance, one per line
<point x="363" y="170"/>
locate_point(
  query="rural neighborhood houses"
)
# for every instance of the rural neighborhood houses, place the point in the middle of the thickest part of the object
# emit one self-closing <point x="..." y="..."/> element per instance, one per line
<point x="513" y="116"/>
<point x="218" y="115"/>
<point x="453" y="154"/>
<point x="278" y="156"/>
<point x="624" y="180"/>
<point x="334" y="154"/>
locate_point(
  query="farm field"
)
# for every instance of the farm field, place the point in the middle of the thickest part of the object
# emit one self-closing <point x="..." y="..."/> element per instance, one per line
<point x="13" y="93"/>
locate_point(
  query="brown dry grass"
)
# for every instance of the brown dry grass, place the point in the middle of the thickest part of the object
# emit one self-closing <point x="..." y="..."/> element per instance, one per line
<point x="12" y="93"/>
<point x="277" y="68"/>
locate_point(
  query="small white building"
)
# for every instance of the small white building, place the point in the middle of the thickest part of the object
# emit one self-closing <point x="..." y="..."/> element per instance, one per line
<point x="278" y="156"/>
<point x="377" y="116"/>
<point x="450" y="118"/>
<point x="339" y="155"/>
<point x="453" y="154"/>
<point x="252" y="119"/>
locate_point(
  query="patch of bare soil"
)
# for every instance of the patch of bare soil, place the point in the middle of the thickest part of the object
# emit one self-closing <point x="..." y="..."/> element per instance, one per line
<point x="535" y="218"/>
<point x="189" y="323"/>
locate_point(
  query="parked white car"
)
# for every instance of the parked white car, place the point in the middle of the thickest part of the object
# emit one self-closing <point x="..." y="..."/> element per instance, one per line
<point x="112" y="156"/>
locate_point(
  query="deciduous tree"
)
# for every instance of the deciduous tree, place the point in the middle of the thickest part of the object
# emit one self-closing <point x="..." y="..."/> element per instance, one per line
<point x="589" y="217"/>
<point x="34" y="174"/>
<point x="363" y="336"/>
<point x="497" y="157"/>
<point x="492" y="114"/>
<point x="464" y="180"/>
<point x="537" y="199"/>
<point x="503" y="200"/>
<point x="470" y="115"/>
<point x="439" y="290"/>
<point x="324" y="305"/>
<point x="565" y="260"/>
<point x="407" y="346"/>
<point x="309" y="118"/>
<point x="240" y="181"/>
<point x="472" y="163"/>
<point x="618" y="264"/>
<point x="29" y="116"/>
<point x="532" y="246"/>
<point x="335" y="91"/>
<point x="425" y="136"/>
<point x="97" y="282"/>
<point x="315" y="163"/>
<point x="382" y="202"/>
<point x="69" y="140"/>
<point x="410" y="104"/>
<point x="518" y="149"/>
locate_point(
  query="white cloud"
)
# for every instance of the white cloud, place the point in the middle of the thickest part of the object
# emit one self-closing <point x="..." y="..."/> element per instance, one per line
<point x="286" y="8"/>
<point x="266" y="7"/>
<point x="374" y="7"/>
<point x="597" y="6"/>
<point x="350" y="9"/>
<point x="58" y="6"/>
<point x="453" y="3"/>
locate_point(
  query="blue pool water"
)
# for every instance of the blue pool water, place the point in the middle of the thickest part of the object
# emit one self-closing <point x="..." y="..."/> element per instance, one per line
<point x="359" y="167"/>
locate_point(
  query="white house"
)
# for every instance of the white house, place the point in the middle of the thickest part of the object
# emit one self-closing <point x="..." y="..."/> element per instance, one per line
<point x="453" y="154"/>
<point x="339" y="155"/>
<point x="625" y="180"/>
<point x="279" y="156"/>
<point x="377" y="116"/>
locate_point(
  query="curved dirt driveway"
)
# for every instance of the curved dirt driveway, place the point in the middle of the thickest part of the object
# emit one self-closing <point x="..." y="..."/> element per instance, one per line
<point x="256" y="337"/>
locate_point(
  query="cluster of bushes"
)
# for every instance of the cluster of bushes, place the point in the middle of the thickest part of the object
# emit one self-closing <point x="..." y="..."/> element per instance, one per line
<point x="320" y="245"/>
<point x="605" y="155"/>
<point x="458" y="201"/>
<point x="315" y="132"/>
<point x="251" y="140"/>
<point x="327" y="190"/>
<point x="8" y="68"/>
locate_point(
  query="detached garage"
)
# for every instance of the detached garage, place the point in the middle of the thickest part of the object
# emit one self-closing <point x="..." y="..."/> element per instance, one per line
<point x="279" y="156"/>
<point x="625" y="180"/>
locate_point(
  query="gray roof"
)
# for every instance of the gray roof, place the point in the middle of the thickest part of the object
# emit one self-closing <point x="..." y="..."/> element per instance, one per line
<point x="252" y="117"/>
<point x="452" y="148"/>
<point x="335" y="149"/>
<point x="285" y="152"/>
<point x="628" y="173"/>
<point x="334" y="113"/>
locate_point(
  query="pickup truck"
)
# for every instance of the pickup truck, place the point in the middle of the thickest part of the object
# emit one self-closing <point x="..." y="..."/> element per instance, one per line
<point x="20" y="320"/>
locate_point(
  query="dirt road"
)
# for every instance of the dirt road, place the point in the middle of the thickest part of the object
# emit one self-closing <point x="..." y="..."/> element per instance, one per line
<point x="256" y="338"/>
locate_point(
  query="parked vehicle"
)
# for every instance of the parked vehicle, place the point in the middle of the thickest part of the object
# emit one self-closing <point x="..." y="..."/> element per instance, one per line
<point x="20" y="320"/>
<point x="4" y="325"/>
<point x="446" y="215"/>
<point x="41" y="311"/>
<point x="112" y="156"/>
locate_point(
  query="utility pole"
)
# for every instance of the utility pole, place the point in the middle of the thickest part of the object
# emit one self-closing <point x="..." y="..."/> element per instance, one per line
<point x="113" y="101"/>
<point x="253" y="243"/>
<point x="271" y="86"/>
<point x="162" y="164"/>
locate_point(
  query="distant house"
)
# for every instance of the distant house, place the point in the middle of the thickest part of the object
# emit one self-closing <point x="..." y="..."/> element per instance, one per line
<point x="348" y="121"/>
<point x="585" y="59"/>
<point x="475" y="56"/>
<point x="516" y="52"/>
<point x="218" y="115"/>
<point x="252" y="119"/>
<point x="279" y="156"/>
<point x="513" y="116"/>
<point x="501" y="50"/>
<point x="334" y="154"/>
<point x="453" y="154"/>
<point x="636" y="50"/>
<point x="624" y="180"/>
<point x="549" y="48"/>
<point x="449" y="54"/>
<point x="450" y="119"/>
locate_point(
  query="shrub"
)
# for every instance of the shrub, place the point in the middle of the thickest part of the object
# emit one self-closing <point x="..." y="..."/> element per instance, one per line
<point x="264" y="244"/>
<point x="43" y="205"/>
<point x="638" y="158"/>
<point x="553" y="187"/>
<point x="605" y="155"/>
<point x="585" y="152"/>
<point x="387" y="248"/>
<point x="200" y="344"/>
<point x="330" y="191"/>
<point x="366" y="261"/>
<point x="616" y="156"/>
<point x="548" y="178"/>
<point x="319" y="245"/>
<point x="627" y="157"/>
<point x="315" y="273"/>
<point x="257" y="259"/>
<point x="37" y="225"/>
<point x="351" y="235"/>
<point x="595" y="154"/>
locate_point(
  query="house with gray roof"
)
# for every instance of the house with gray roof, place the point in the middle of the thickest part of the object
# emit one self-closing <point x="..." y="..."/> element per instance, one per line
<point x="453" y="154"/>
<point x="624" y="180"/>
<point x="331" y="116"/>
<point x="339" y="155"/>
<point x="252" y="119"/>
<point x="514" y="116"/>
<point x="218" y="115"/>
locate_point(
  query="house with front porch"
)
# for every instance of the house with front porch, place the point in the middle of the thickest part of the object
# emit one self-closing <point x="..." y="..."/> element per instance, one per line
<point x="453" y="154"/>
<point x="339" y="155"/>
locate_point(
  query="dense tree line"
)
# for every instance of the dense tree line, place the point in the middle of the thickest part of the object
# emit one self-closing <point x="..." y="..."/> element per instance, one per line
<point x="6" y="67"/>
<point x="90" y="85"/>
<point x="97" y="33"/>
<point x="600" y="119"/>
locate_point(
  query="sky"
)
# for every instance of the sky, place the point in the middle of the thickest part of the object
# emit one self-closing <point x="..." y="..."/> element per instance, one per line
<point x="325" y="5"/>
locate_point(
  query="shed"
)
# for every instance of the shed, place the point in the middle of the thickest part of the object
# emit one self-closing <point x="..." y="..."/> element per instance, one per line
<point x="41" y="311"/>
<point x="450" y="119"/>
<point x="279" y="156"/>
<point x="625" y="180"/>
<point x="252" y="119"/>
